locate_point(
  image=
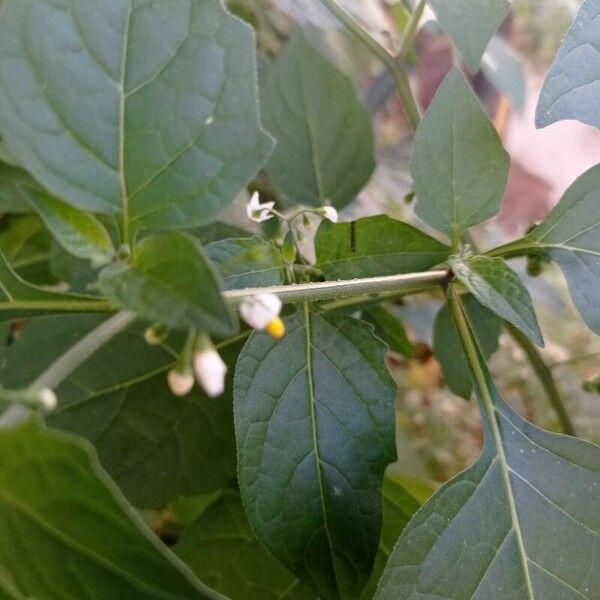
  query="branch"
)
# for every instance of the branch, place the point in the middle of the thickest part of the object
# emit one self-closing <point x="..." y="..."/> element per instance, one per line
<point x="546" y="379"/>
<point x="395" y="64"/>
<point x="332" y="290"/>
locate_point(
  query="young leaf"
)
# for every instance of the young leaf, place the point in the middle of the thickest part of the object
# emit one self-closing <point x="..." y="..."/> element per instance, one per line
<point x="471" y="24"/>
<point x="147" y="110"/>
<point x="247" y="262"/>
<point x="19" y="299"/>
<point x="375" y="246"/>
<point x="170" y="281"/>
<point x="573" y="83"/>
<point x="522" y="522"/>
<point x="398" y="508"/>
<point x="68" y="533"/>
<point x="78" y="232"/>
<point x="223" y="552"/>
<point x="390" y="329"/>
<point x="155" y="446"/>
<point x="493" y="283"/>
<point x="570" y="235"/>
<point x="324" y="148"/>
<point x="458" y="165"/>
<point x="447" y="348"/>
<point x="314" y="419"/>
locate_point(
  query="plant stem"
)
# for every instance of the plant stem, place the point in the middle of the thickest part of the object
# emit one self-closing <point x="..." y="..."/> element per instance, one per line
<point x="331" y="290"/>
<point x="411" y="29"/>
<point x="513" y="249"/>
<point x="395" y="64"/>
<point x="546" y="379"/>
<point x="82" y="350"/>
<point x="70" y="306"/>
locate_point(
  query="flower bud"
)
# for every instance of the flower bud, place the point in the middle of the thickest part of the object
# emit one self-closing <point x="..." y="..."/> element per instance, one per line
<point x="180" y="383"/>
<point x="47" y="398"/>
<point x="210" y="371"/>
<point x="329" y="213"/>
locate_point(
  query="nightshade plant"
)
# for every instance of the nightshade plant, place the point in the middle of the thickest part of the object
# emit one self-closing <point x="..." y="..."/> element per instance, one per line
<point x="127" y="127"/>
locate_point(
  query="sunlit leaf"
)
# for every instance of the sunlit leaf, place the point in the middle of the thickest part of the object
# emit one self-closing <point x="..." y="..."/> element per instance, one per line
<point x="146" y="110"/>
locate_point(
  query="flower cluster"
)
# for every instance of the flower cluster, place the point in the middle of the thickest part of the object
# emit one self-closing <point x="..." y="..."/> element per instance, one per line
<point x="200" y="361"/>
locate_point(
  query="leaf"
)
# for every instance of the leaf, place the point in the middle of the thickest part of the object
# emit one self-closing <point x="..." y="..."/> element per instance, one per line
<point x="504" y="69"/>
<point x="572" y="85"/>
<point x="471" y="24"/>
<point x="171" y="281"/>
<point x="324" y="148"/>
<point x="570" y="235"/>
<point x="78" y="232"/>
<point x="222" y="551"/>
<point x="390" y="329"/>
<point x="145" y="110"/>
<point x="247" y="262"/>
<point x="154" y="445"/>
<point x="375" y="246"/>
<point x="458" y="165"/>
<point x="398" y="508"/>
<point x="77" y="273"/>
<point x="68" y="533"/>
<point x="448" y="350"/>
<point x="19" y="299"/>
<point x="11" y="179"/>
<point x="495" y="285"/>
<point x="314" y="421"/>
<point x="522" y="522"/>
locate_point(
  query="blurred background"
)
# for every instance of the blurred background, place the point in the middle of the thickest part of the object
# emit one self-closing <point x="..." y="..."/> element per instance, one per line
<point x="439" y="433"/>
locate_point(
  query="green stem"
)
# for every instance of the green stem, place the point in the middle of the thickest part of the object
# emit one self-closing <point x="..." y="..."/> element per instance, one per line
<point x="512" y="249"/>
<point x="546" y="379"/>
<point x="76" y="355"/>
<point x="57" y="306"/>
<point x="395" y="64"/>
<point x="411" y="29"/>
<point x="331" y="290"/>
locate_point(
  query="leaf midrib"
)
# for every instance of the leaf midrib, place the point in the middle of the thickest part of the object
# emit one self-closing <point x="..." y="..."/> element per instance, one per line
<point x="312" y="402"/>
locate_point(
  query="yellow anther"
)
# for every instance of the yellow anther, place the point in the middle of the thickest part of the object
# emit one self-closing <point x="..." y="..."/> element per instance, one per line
<point x="276" y="328"/>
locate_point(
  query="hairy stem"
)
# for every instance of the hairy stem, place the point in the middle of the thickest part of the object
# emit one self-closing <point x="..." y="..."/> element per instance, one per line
<point x="546" y="379"/>
<point x="82" y="350"/>
<point x="332" y="290"/>
<point x="395" y="64"/>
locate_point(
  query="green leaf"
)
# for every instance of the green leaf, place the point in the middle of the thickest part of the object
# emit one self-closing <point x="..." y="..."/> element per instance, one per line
<point x="78" y="232"/>
<point x="146" y="110"/>
<point x="222" y="551"/>
<point x="375" y="246"/>
<point x="19" y="299"/>
<point x="154" y="445"/>
<point x="390" y="329"/>
<point x="471" y="24"/>
<point x="449" y="352"/>
<point x="458" y="165"/>
<point x="11" y="180"/>
<point x="570" y="235"/>
<point x="572" y="85"/>
<point x="324" y="136"/>
<point x="493" y="283"/>
<point x="77" y="273"/>
<point x="171" y="281"/>
<point x="522" y="522"/>
<point x="66" y="531"/>
<point x="247" y="262"/>
<point x="398" y="508"/>
<point x="314" y="419"/>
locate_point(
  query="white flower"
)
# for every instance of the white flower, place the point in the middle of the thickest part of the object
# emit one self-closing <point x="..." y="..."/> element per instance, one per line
<point x="262" y="312"/>
<point x="180" y="383"/>
<point x="329" y="213"/>
<point x="47" y="398"/>
<point x="259" y="212"/>
<point x="210" y="372"/>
